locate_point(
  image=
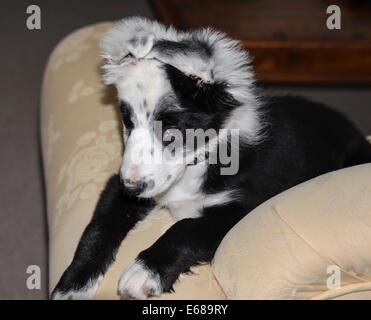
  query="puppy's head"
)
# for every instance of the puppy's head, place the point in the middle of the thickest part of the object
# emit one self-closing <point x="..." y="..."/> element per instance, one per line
<point x="169" y="84"/>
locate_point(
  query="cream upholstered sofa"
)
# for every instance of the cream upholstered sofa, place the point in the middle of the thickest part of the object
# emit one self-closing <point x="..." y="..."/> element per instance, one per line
<point x="284" y="249"/>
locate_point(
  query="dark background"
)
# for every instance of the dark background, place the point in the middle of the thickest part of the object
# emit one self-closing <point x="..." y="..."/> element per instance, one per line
<point x="23" y="55"/>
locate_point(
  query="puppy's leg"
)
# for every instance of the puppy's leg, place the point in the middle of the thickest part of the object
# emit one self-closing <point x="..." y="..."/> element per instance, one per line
<point x="187" y="243"/>
<point x="114" y="216"/>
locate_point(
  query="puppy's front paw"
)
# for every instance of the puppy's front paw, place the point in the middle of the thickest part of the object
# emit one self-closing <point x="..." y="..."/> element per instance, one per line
<point x="139" y="282"/>
<point x="86" y="292"/>
<point x="141" y="44"/>
<point x="132" y="36"/>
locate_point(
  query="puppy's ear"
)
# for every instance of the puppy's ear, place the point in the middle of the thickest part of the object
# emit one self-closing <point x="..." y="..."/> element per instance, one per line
<point x="131" y="36"/>
<point x="197" y="94"/>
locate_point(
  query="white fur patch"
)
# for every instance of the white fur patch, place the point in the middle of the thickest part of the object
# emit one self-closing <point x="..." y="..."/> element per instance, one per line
<point x="184" y="199"/>
<point x="86" y="293"/>
<point x="137" y="282"/>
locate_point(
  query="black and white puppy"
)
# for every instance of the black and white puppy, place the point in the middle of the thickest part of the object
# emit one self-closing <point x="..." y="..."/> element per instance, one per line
<point x="196" y="80"/>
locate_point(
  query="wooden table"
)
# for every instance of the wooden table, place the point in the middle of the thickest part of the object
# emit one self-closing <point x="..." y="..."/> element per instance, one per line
<point x="288" y="39"/>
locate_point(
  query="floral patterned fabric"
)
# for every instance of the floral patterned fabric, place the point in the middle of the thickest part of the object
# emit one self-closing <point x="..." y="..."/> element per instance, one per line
<point x="82" y="147"/>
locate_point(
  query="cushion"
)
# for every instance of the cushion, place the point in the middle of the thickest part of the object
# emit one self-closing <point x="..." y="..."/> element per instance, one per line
<point x="293" y="245"/>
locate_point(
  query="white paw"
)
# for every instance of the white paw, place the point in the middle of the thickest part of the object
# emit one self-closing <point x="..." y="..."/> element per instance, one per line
<point x="132" y="36"/>
<point x="141" y="44"/>
<point x="138" y="282"/>
<point x="85" y="293"/>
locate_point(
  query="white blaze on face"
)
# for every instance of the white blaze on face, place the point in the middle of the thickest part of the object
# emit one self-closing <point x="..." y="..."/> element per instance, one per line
<point x="142" y="86"/>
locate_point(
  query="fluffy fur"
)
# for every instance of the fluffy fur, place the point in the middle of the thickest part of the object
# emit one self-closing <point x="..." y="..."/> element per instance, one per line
<point x="196" y="80"/>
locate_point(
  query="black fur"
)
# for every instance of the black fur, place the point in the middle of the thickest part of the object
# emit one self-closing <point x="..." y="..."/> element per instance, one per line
<point x="183" y="47"/>
<point x="204" y="106"/>
<point x="127" y="116"/>
<point x="190" y="242"/>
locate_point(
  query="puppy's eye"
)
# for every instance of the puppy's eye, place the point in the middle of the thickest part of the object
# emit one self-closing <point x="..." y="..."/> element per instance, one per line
<point x="126" y="113"/>
<point x="167" y="133"/>
<point x="170" y="134"/>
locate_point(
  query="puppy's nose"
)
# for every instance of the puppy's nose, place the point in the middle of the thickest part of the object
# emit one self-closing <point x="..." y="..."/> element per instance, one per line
<point x="134" y="174"/>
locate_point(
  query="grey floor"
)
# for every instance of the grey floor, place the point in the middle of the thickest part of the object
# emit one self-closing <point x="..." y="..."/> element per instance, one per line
<point x="23" y="233"/>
